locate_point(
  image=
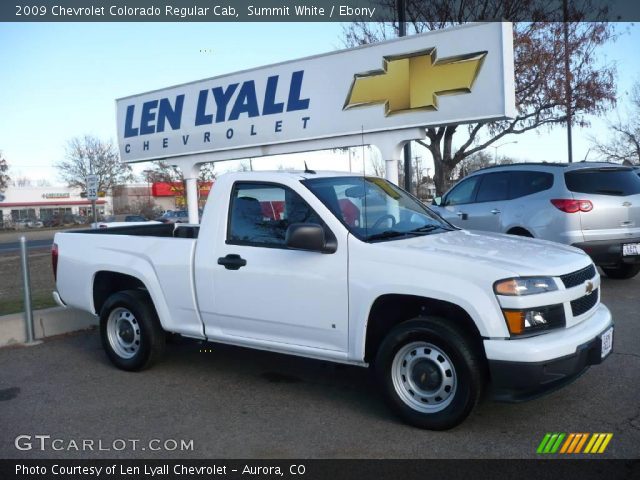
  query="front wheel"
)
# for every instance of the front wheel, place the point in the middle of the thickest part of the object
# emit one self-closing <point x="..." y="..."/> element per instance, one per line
<point x="622" y="271"/>
<point x="430" y="373"/>
<point x="130" y="330"/>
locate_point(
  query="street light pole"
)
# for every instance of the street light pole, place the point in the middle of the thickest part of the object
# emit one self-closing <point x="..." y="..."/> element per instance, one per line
<point x="402" y="31"/>
<point x="567" y="79"/>
<point x="495" y="150"/>
<point x="93" y="202"/>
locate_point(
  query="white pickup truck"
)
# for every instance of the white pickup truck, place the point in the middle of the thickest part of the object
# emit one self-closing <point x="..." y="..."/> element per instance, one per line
<point x="346" y="269"/>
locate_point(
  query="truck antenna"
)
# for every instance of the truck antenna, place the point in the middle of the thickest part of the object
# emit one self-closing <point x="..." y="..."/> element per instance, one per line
<point x="306" y="169"/>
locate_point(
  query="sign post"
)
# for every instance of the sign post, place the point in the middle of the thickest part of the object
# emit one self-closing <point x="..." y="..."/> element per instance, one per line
<point x="92" y="194"/>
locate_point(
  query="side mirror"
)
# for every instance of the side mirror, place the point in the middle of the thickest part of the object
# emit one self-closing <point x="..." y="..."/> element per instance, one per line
<point x="437" y="201"/>
<point x="306" y="236"/>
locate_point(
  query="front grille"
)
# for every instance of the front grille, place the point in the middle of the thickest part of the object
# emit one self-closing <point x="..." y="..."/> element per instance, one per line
<point x="584" y="304"/>
<point x="576" y="278"/>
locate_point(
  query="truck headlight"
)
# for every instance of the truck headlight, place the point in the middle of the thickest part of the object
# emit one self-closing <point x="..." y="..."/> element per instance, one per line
<point x="524" y="286"/>
<point x="534" y="320"/>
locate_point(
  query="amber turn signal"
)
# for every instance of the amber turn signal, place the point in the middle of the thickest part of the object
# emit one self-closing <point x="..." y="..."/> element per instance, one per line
<point x="515" y="321"/>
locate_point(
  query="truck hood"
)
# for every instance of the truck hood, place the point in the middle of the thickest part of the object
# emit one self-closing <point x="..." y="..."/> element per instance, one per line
<point x="517" y="256"/>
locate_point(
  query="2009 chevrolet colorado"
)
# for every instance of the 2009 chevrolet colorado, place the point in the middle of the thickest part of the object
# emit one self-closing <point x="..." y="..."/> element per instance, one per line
<point x="347" y="269"/>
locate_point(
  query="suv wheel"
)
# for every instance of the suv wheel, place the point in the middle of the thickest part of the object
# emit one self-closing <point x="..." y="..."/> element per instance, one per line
<point x="430" y="373"/>
<point x="622" y="271"/>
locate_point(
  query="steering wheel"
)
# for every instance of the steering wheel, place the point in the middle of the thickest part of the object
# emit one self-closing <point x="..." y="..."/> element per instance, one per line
<point x="377" y="223"/>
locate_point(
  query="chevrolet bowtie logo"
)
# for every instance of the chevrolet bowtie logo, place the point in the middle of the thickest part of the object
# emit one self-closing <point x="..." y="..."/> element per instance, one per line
<point x="414" y="81"/>
<point x="588" y="288"/>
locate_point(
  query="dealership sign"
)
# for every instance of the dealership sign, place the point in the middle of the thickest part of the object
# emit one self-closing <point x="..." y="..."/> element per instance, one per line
<point x="464" y="74"/>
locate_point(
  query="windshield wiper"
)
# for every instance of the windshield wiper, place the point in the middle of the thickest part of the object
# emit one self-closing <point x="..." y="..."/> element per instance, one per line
<point x="427" y="229"/>
<point x="387" y="234"/>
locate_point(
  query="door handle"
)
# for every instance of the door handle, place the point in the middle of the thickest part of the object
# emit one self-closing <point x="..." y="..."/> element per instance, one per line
<point x="232" y="261"/>
<point x="495" y="211"/>
<point x="462" y="215"/>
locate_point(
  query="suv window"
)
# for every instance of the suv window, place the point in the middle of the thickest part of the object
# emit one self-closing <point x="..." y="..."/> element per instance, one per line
<point x="603" y="181"/>
<point x="527" y="183"/>
<point x="464" y="192"/>
<point x="494" y="187"/>
<point x="261" y="213"/>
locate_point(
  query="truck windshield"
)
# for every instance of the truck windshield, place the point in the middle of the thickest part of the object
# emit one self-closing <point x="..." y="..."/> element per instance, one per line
<point x="374" y="209"/>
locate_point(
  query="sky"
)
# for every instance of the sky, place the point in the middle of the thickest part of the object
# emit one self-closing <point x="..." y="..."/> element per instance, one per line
<point x="60" y="80"/>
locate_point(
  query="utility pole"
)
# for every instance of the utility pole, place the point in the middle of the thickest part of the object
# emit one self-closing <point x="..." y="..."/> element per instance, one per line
<point x="402" y="31"/>
<point x="567" y="78"/>
<point x="93" y="199"/>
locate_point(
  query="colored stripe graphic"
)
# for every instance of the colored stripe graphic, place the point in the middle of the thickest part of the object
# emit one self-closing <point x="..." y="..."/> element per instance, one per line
<point x="581" y="443"/>
<point x="603" y="447"/>
<point x="568" y="442"/>
<point x="543" y="443"/>
<point x="573" y="443"/>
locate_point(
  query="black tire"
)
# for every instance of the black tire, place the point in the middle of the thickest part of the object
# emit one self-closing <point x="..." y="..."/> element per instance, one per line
<point x="469" y="372"/>
<point x="622" y="271"/>
<point x="140" y="328"/>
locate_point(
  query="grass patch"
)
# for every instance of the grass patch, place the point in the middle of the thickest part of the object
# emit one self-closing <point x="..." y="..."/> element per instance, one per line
<point x="16" y="305"/>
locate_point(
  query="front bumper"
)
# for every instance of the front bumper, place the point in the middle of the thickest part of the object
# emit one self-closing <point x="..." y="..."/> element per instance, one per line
<point x="522" y="369"/>
<point x="608" y="252"/>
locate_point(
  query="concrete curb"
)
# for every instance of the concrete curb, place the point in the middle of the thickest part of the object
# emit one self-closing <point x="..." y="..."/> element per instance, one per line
<point x="46" y="323"/>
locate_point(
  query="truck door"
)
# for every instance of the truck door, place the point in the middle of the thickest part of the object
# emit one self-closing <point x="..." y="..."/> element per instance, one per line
<point x="259" y="289"/>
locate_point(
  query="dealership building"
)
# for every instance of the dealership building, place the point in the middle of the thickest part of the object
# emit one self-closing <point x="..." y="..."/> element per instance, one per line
<point x="28" y="202"/>
<point x="23" y="202"/>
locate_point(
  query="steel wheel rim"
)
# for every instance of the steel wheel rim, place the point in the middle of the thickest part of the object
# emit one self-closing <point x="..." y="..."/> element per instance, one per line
<point x="123" y="332"/>
<point x="424" y="377"/>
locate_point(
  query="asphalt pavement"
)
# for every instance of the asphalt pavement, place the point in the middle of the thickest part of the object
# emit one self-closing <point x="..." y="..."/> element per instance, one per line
<point x="31" y="245"/>
<point x="36" y="239"/>
<point x="238" y="403"/>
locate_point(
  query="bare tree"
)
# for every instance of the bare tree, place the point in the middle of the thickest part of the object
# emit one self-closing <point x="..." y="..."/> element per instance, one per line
<point x="539" y="70"/>
<point x="477" y="161"/>
<point x="163" y="171"/>
<point x="22" y="181"/>
<point x="623" y="141"/>
<point x="87" y="153"/>
<point x="43" y="182"/>
<point x="378" y="165"/>
<point x="4" y="175"/>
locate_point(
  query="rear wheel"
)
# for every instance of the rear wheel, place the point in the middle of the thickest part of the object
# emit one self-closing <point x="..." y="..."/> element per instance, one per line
<point x="622" y="271"/>
<point x="430" y="373"/>
<point x="130" y="330"/>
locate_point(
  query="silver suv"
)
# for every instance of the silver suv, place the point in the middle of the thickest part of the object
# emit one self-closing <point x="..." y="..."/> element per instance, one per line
<point x="592" y="206"/>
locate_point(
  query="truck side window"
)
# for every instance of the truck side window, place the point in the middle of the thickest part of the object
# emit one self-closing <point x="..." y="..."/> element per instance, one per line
<point x="261" y="213"/>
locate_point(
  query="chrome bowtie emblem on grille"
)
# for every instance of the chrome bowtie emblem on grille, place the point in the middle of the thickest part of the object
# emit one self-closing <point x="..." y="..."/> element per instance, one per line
<point x="589" y="288"/>
<point x="626" y="204"/>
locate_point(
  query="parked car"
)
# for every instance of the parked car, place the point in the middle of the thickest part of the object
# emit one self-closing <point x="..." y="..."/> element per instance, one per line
<point x="34" y="223"/>
<point x="23" y="223"/>
<point x="282" y="263"/>
<point x="592" y="206"/>
<point x="174" y="216"/>
<point x="60" y="220"/>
